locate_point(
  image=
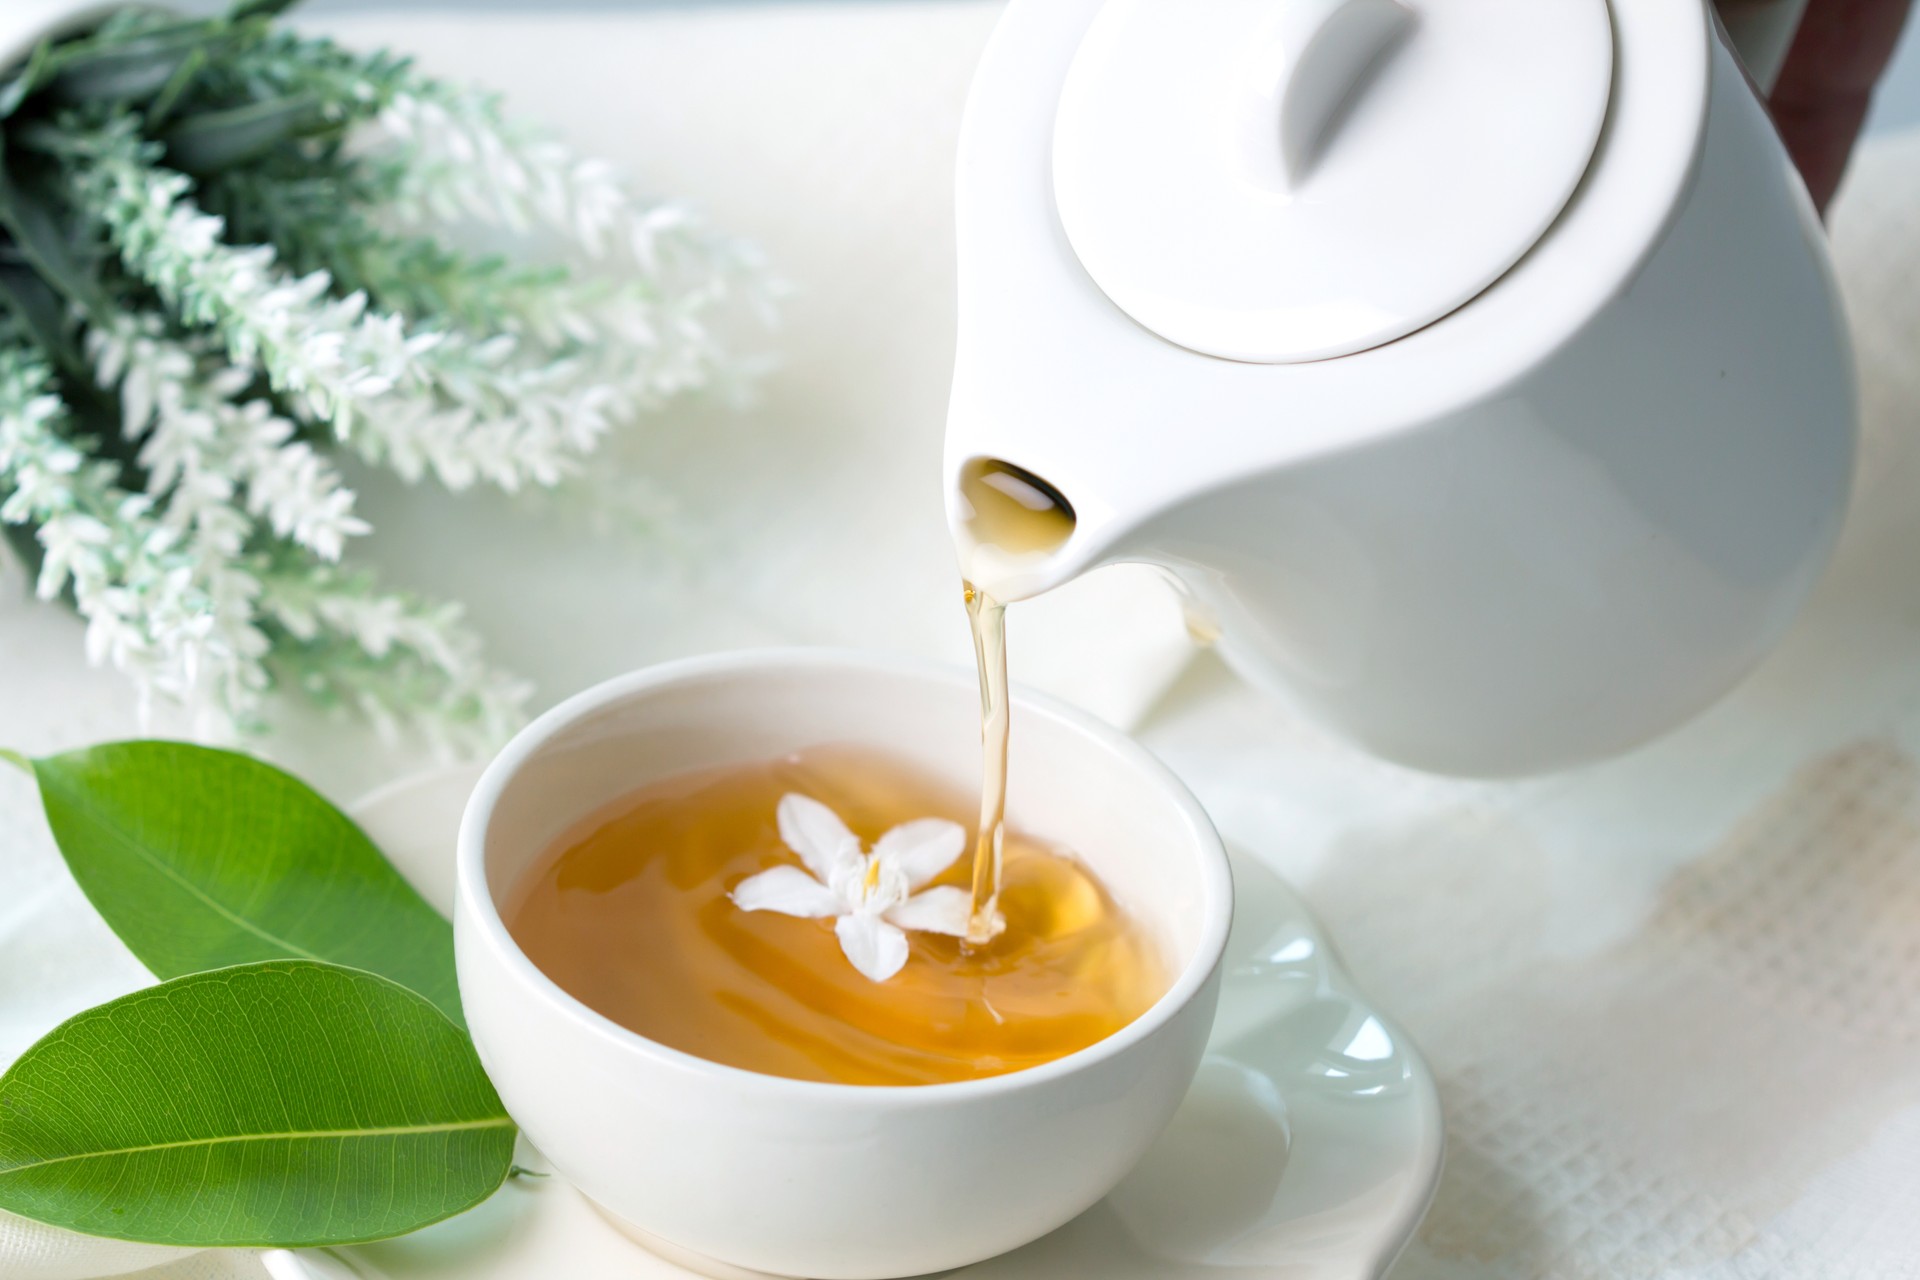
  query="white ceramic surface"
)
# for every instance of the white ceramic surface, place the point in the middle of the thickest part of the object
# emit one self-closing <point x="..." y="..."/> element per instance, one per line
<point x="1544" y="528"/>
<point x="1307" y="1150"/>
<point x="822" y="1180"/>
<point x="1296" y="180"/>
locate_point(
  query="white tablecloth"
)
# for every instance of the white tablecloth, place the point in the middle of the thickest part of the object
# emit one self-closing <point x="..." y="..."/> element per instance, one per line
<point x="1673" y="1002"/>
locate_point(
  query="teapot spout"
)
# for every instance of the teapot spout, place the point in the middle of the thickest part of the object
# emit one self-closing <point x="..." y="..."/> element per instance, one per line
<point x="1018" y="533"/>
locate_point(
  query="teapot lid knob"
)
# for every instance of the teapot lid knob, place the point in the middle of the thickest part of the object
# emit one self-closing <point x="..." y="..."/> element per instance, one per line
<point x="1325" y="53"/>
<point x="1287" y="180"/>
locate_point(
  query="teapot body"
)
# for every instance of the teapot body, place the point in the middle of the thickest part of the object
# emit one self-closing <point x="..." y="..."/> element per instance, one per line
<point x="1590" y="556"/>
<point x="1544" y="529"/>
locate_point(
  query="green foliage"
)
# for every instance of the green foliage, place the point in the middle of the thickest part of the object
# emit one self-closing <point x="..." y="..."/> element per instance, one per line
<point x="199" y="859"/>
<point x="303" y="1078"/>
<point x="206" y="290"/>
<point x="215" y="93"/>
<point x="225" y="245"/>
<point x="210" y="141"/>
<point x="132" y="56"/>
<point x="287" y="1103"/>
<point x="42" y="239"/>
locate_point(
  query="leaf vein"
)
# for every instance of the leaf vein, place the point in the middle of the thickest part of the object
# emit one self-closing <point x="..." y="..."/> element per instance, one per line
<point x="388" y="1131"/>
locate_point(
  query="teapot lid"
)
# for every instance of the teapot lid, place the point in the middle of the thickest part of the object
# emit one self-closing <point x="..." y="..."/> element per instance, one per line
<point x="1285" y="180"/>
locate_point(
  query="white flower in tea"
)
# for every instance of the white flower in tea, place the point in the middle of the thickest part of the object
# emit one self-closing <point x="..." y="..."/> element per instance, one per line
<point x="873" y="897"/>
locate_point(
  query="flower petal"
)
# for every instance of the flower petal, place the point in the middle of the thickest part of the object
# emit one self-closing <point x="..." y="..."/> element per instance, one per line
<point x="788" y="890"/>
<point x="942" y="910"/>
<point x="877" y="949"/>
<point x="922" y="849"/>
<point x="816" y="833"/>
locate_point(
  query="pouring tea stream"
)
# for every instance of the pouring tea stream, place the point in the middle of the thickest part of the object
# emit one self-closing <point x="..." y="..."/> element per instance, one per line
<point x="1477" y="365"/>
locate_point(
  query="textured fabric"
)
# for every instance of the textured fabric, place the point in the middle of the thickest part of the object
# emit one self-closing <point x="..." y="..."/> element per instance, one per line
<point x="1671" y="1000"/>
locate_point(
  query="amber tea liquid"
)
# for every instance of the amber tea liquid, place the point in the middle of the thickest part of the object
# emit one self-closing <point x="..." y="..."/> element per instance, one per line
<point x="1011" y="514"/>
<point x="631" y="914"/>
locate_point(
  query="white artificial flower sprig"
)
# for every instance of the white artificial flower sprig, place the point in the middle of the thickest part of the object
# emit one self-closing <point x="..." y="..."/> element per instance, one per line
<point x="464" y="156"/>
<point x="325" y="354"/>
<point x="647" y="339"/>
<point x="173" y="598"/>
<point x="645" y="280"/>
<point x="215" y="453"/>
<point x="419" y="400"/>
<point x="395" y="659"/>
<point x="336" y="309"/>
<point x="171" y="612"/>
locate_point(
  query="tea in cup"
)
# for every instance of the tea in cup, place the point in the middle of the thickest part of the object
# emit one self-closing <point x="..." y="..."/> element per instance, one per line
<point x="812" y="910"/>
<point x="738" y="1082"/>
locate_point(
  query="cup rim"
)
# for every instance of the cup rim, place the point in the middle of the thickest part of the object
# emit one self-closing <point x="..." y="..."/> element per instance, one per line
<point x="474" y="901"/>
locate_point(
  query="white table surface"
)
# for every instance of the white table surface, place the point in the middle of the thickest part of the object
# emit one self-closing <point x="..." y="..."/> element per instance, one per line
<point x="1674" y="1001"/>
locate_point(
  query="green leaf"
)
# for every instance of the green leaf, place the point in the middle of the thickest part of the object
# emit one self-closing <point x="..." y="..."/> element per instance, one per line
<point x="27" y="79"/>
<point x="27" y="212"/>
<point x="42" y="314"/>
<point x="169" y="97"/>
<point x="279" y="1104"/>
<point x="214" y="140"/>
<point x="123" y="69"/>
<point x="200" y="858"/>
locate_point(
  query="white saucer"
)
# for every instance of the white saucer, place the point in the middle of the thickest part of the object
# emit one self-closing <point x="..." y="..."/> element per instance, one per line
<point x="1308" y="1149"/>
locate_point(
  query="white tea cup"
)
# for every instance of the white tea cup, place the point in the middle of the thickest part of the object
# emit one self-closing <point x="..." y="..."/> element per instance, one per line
<point x="838" y="1182"/>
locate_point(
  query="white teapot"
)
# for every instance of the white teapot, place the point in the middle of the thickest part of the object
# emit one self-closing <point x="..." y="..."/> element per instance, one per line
<point x="1476" y="365"/>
